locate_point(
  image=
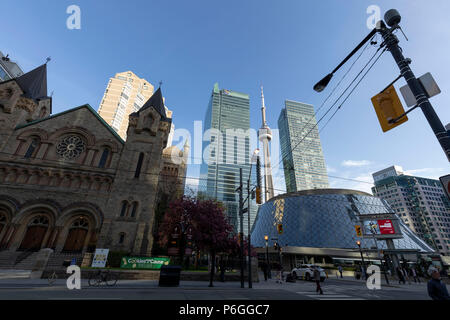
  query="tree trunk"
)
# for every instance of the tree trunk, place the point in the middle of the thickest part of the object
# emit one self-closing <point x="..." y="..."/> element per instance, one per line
<point x="213" y="267"/>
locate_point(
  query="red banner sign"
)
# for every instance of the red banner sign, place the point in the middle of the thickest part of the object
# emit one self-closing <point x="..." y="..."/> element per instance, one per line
<point x="386" y="227"/>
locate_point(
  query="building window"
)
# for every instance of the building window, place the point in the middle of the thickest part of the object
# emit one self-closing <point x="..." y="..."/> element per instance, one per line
<point x="32" y="148"/>
<point x="123" y="211"/>
<point x="134" y="209"/>
<point x="139" y="165"/>
<point x="121" y="238"/>
<point x="103" y="158"/>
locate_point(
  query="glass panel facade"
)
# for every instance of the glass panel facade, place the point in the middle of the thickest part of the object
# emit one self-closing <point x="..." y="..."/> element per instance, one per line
<point x="224" y="153"/>
<point x="325" y="221"/>
<point x="304" y="167"/>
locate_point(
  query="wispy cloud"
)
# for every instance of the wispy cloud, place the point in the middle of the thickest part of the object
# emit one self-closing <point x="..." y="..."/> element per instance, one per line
<point x="431" y="173"/>
<point x="356" y="163"/>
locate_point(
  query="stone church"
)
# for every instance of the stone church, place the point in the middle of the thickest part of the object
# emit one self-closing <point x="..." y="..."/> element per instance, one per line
<point x="68" y="182"/>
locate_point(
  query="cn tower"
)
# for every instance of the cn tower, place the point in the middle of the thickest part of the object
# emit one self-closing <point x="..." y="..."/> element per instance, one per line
<point x="265" y="135"/>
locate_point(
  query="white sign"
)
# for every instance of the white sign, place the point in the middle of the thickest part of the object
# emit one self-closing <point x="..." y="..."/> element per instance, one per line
<point x="100" y="258"/>
<point x="446" y="184"/>
<point x="428" y="83"/>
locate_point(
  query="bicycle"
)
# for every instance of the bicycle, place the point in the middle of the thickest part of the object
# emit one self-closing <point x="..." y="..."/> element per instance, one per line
<point x="105" y="276"/>
<point x="52" y="278"/>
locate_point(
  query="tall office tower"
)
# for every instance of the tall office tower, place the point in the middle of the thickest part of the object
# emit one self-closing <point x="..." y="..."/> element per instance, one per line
<point x="126" y="93"/>
<point x="8" y="69"/>
<point x="421" y="203"/>
<point x="265" y="136"/>
<point x="303" y="162"/>
<point x="226" y="127"/>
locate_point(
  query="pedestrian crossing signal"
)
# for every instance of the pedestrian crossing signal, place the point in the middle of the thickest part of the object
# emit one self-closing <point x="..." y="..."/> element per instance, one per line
<point x="358" y="230"/>
<point x="388" y="107"/>
<point x="280" y="228"/>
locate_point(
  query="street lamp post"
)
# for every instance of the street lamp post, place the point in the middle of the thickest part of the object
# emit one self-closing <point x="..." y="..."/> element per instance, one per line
<point x="269" y="272"/>
<point x="362" y="258"/>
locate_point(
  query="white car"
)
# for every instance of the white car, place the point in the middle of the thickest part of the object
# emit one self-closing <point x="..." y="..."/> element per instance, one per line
<point x="306" y="271"/>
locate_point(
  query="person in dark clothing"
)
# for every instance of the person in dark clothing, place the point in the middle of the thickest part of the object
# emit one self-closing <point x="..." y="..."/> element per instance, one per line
<point x="264" y="268"/>
<point x="317" y="279"/>
<point x="222" y="269"/>
<point x="340" y="270"/>
<point x="437" y="290"/>
<point x="401" y="277"/>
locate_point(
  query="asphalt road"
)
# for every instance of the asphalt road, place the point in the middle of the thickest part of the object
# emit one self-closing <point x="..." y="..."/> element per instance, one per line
<point x="334" y="289"/>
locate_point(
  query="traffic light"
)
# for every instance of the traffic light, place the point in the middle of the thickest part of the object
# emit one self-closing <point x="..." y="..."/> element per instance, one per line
<point x="280" y="228"/>
<point x="258" y="181"/>
<point x="358" y="230"/>
<point x="258" y="195"/>
<point x="388" y="107"/>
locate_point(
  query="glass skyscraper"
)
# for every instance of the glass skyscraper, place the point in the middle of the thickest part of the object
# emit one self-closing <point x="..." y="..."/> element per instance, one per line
<point x="226" y="149"/>
<point x="303" y="163"/>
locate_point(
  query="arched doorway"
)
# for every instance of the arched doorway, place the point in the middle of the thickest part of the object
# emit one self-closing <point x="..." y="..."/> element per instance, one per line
<point x="77" y="235"/>
<point x="2" y="221"/>
<point x="36" y="230"/>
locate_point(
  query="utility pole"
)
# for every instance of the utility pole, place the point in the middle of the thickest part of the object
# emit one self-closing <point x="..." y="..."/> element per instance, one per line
<point x="249" y="235"/>
<point x="393" y="18"/>
<point x="241" y="234"/>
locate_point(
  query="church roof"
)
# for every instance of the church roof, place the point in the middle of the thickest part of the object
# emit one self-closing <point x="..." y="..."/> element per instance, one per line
<point x="156" y="101"/>
<point x="87" y="106"/>
<point x="34" y="83"/>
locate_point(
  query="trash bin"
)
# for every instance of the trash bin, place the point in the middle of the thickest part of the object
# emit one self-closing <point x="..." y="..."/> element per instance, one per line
<point x="169" y="276"/>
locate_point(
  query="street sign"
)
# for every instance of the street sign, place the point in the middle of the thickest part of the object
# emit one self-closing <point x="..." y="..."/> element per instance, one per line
<point x="100" y="258"/>
<point x="358" y="231"/>
<point x="388" y="107"/>
<point x="143" y="263"/>
<point x="428" y="83"/>
<point x="446" y="184"/>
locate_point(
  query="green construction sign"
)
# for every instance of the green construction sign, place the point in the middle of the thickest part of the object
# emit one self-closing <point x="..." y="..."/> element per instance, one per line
<point x="143" y="263"/>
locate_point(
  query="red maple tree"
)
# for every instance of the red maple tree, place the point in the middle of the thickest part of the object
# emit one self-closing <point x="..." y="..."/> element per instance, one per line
<point x="210" y="228"/>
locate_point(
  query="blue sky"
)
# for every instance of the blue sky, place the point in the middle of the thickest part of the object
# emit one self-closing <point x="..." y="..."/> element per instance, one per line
<point x="286" y="45"/>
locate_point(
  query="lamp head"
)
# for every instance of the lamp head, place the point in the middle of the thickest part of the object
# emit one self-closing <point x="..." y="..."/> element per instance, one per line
<point x="358" y="243"/>
<point x="266" y="238"/>
<point x="322" y="84"/>
<point x="392" y="18"/>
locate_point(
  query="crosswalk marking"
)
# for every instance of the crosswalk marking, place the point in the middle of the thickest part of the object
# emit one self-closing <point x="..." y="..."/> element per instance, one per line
<point x="328" y="296"/>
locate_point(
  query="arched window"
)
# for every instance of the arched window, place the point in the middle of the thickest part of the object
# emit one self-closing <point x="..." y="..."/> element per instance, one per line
<point x="121" y="237"/>
<point x="31" y="151"/>
<point x="43" y="112"/>
<point x="104" y="158"/>
<point x="139" y="165"/>
<point x="124" y="209"/>
<point x="134" y="209"/>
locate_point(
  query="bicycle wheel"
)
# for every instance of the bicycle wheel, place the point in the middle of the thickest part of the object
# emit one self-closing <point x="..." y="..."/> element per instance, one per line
<point x="95" y="280"/>
<point x="111" y="279"/>
<point x="52" y="278"/>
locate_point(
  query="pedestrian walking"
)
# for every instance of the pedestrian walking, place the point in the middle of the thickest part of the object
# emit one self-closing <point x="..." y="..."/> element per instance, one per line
<point x="405" y="275"/>
<point x="401" y="278"/>
<point x="414" y="275"/>
<point x="222" y="270"/>
<point x="437" y="290"/>
<point x="317" y="279"/>
<point x="340" y="270"/>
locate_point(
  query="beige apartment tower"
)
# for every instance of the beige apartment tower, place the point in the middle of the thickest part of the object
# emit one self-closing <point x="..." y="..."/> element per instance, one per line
<point x="126" y="93"/>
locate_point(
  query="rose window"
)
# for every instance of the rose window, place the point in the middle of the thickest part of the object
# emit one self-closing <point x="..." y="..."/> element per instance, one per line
<point x="70" y="147"/>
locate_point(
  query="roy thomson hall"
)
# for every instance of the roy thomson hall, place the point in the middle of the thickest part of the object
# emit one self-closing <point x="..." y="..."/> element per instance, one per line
<point x="318" y="227"/>
<point x="70" y="183"/>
